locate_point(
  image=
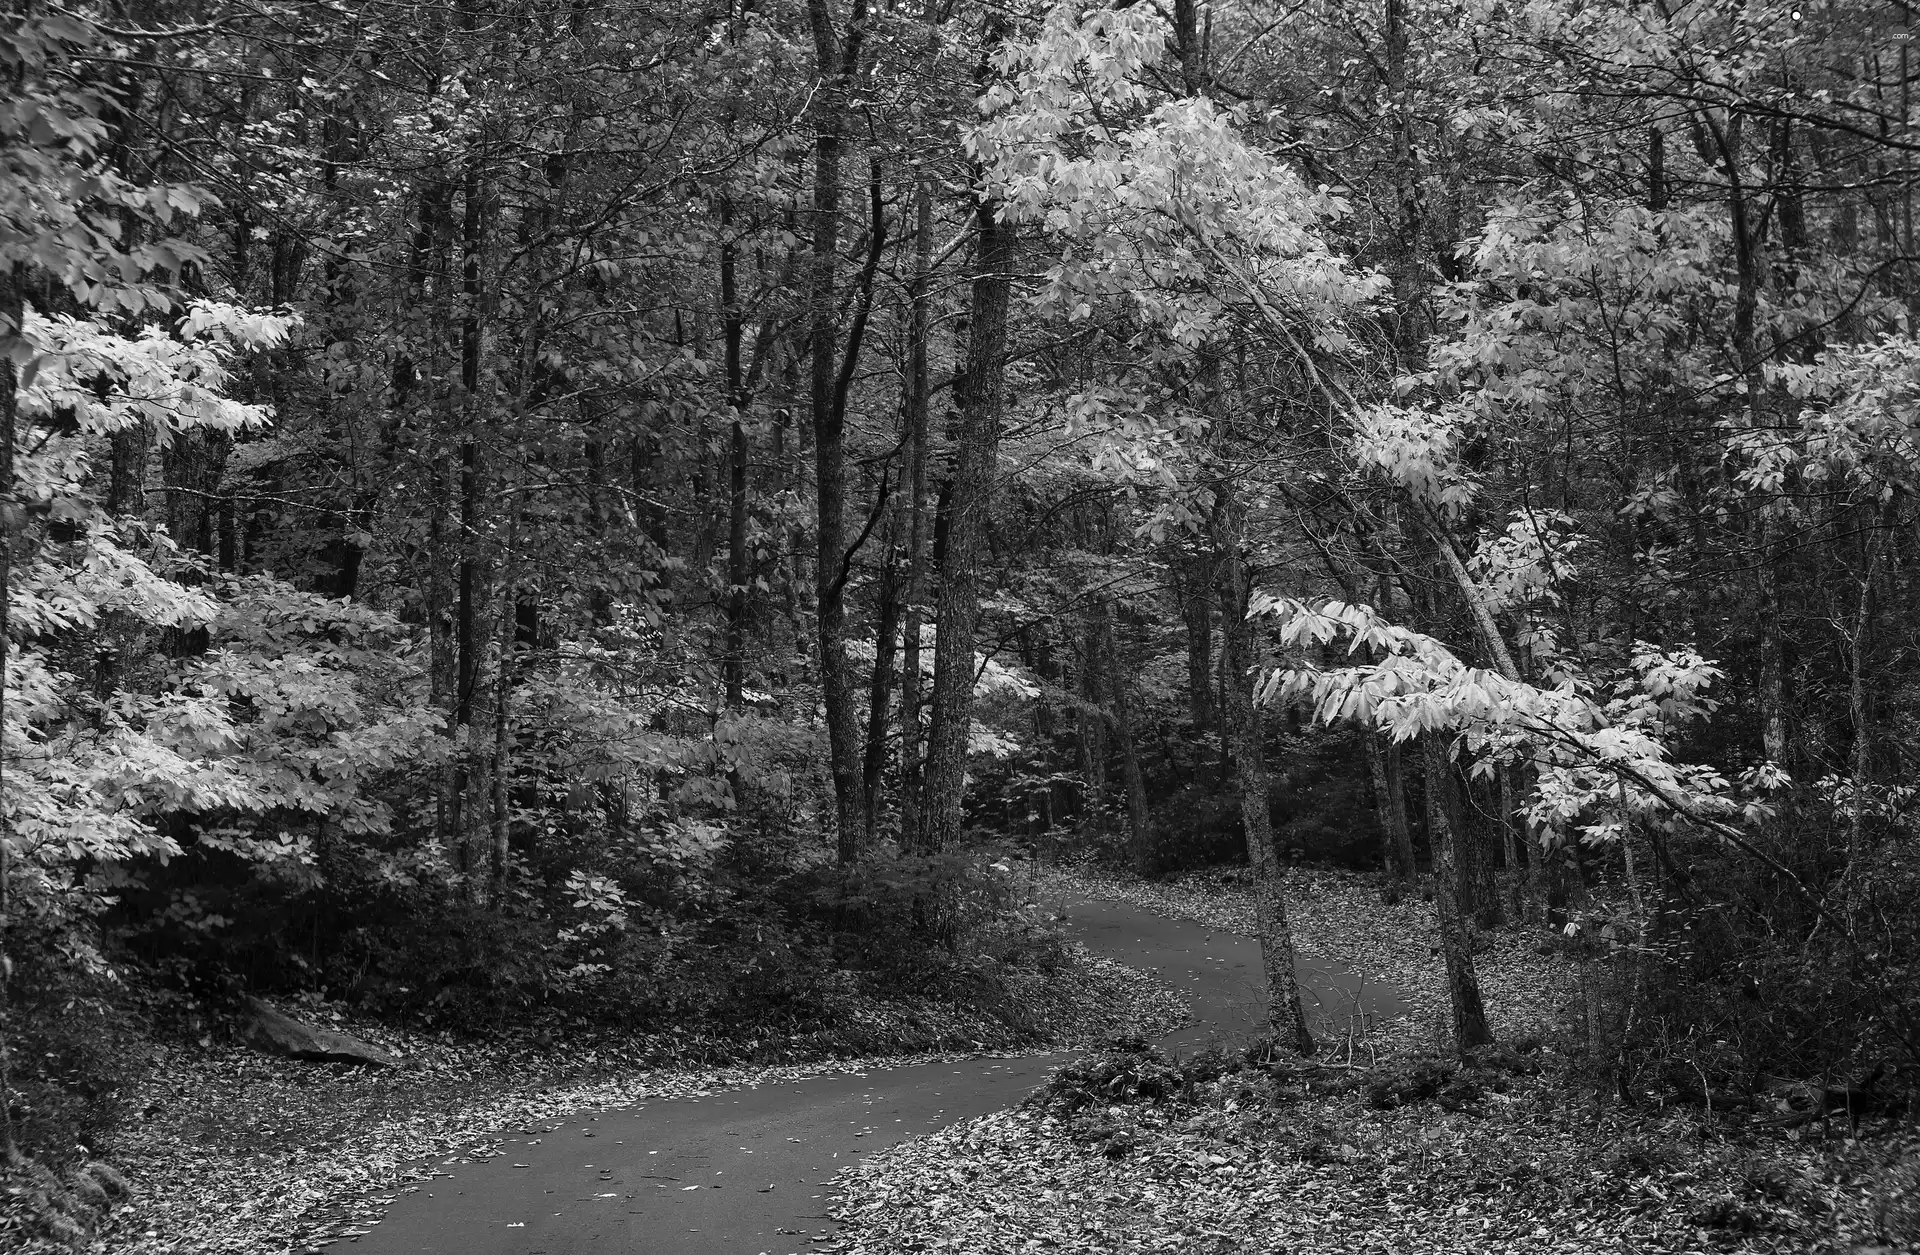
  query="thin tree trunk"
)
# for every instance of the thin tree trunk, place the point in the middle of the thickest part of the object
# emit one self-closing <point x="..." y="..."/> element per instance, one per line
<point x="442" y="648"/>
<point x="732" y="331"/>
<point x="1470" y="1027"/>
<point x="1860" y="709"/>
<point x="473" y="789"/>
<point x="1408" y="279"/>
<point x="880" y="691"/>
<point x="1197" y="611"/>
<point x="919" y="392"/>
<point x="228" y="533"/>
<point x="1750" y="265"/>
<point x="970" y="499"/>
<point x="1139" y="818"/>
<point x="1479" y="609"/>
<point x="504" y="634"/>
<point x="1091" y="744"/>
<point x="1240" y="721"/>
<point x="1518" y="867"/>
<point x="1773" y="665"/>
<point x="1390" y="800"/>
<point x="837" y="57"/>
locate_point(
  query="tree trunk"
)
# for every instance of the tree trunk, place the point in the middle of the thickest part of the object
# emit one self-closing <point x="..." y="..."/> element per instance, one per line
<point x="1750" y="266"/>
<point x="880" y="691"/>
<point x="1408" y="278"/>
<point x="473" y="789"/>
<point x="969" y="501"/>
<point x="1196" y="606"/>
<point x="1139" y="819"/>
<point x="1519" y="867"/>
<point x="918" y="402"/>
<point x="1479" y="611"/>
<point x="838" y="58"/>
<point x="1390" y="800"/>
<point x="1773" y="665"/>
<point x="504" y="635"/>
<point x="182" y="475"/>
<point x="1479" y="843"/>
<point x="732" y="333"/>
<point x="1456" y="942"/>
<point x="442" y="659"/>
<point x="1860" y="709"/>
<point x="1091" y="744"/>
<point x="127" y="472"/>
<point x="1240" y="720"/>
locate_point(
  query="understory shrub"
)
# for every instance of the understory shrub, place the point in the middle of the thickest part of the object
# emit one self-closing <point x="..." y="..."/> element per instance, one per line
<point x="1129" y="1071"/>
<point x="76" y="1045"/>
<point x="1745" y="975"/>
<point x="1450" y="1083"/>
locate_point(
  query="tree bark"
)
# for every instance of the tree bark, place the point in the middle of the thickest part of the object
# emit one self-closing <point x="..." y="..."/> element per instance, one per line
<point x="1773" y="663"/>
<point x="838" y="58"/>
<point x="1140" y="838"/>
<point x="127" y="471"/>
<point x="1860" y="709"/>
<point x="1474" y="844"/>
<point x="472" y="788"/>
<point x="1091" y="743"/>
<point x="505" y="624"/>
<point x="1390" y="800"/>
<point x="1408" y="279"/>
<point x="1519" y="865"/>
<point x="1470" y="1028"/>
<point x="1240" y="720"/>
<point x="1750" y="270"/>
<point x="1196" y="607"/>
<point x="1479" y="611"/>
<point x="880" y="691"/>
<point x="970" y="499"/>
<point x="1489" y="908"/>
<point x="1188" y="44"/>
<point x="442" y="662"/>
<point x="918" y="402"/>
<point x="732" y="333"/>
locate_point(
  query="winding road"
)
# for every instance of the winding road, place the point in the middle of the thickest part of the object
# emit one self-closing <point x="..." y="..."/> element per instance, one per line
<point x="746" y="1171"/>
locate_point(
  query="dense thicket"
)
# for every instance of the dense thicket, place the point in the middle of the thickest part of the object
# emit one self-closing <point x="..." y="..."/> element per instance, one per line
<point x="611" y="505"/>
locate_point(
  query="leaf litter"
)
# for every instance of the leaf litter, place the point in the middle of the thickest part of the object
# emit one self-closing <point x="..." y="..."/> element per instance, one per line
<point x="235" y="1153"/>
<point x="1411" y="1156"/>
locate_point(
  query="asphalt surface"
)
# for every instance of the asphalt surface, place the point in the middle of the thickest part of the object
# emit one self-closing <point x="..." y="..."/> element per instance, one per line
<point x="746" y="1171"/>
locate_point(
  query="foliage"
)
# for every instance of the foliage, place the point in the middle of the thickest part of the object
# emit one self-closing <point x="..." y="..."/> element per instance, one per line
<point x="1589" y="755"/>
<point x="1129" y="1071"/>
<point x="480" y="546"/>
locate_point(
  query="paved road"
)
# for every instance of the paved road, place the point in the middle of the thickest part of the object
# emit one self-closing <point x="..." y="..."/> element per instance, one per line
<point x="746" y="1171"/>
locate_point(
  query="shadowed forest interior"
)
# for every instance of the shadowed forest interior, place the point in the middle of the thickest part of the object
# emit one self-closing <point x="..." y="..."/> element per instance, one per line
<point x="572" y="517"/>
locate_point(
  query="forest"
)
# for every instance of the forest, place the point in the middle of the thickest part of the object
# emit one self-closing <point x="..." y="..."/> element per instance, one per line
<point x="666" y="526"/>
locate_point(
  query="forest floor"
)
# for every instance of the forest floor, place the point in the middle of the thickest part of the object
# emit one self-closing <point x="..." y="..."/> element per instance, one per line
<point x="1339" y="916"/>
<point x="1383" y="1145"/>
<point x="231" y="1151"/>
